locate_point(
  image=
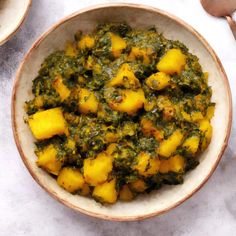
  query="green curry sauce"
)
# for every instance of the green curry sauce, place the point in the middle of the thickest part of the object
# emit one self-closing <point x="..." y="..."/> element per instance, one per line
<point x="183" y="104"/>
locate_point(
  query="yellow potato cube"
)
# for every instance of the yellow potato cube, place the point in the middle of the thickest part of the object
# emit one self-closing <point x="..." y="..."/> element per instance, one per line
<point x="164" y="166"/>
<point x="196" y="116"/>
<point x="138" y="186"/>
<point x="58" y="85"/>
<point x="117" y="45"/>
<point x="173" y="164"/>
<point x="96" y="170"/>
<point x="46" y="124"/>
<point x="210" y="112"/>
<point x="176" y="163"/>
<point x="138" y="53"/>
<point x="131" y="101"/>
<point x="125" y="77"/>
<point x="106" y="192"/>
<point x="158" y="81"/>
<point x="206" y="129"/>
<point x="71" y="144"/>
<point x="70" y="50"/>
<point x="154" y="164"/>
<point x="86" y="42"/>
<point x="193" y="117"/>
<point x="70" y="179"/>
<point x="172" y="62"/>
<point x="147" y="127"/>
<point x="47" y="159"/>
<point x="87" y="101"/>
<point x="169" y="146"/>
<point x="39" y="101"/>
<point x="146" y="165"/>
<point x="191" y="144"/>
<point x="186" y="116"/>
<point x="111" y="137"/>
<point x="126" y="194"/>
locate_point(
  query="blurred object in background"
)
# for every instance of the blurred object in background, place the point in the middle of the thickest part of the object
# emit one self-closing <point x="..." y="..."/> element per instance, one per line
<point x="222" y="8"/>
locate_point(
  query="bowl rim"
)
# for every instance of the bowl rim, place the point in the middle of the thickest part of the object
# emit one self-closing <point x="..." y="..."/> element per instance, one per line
<point x="126" y="5"/>
<point x="18" y="25"/>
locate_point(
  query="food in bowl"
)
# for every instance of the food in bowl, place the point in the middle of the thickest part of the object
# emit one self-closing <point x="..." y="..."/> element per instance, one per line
<point x="120" y="112"/>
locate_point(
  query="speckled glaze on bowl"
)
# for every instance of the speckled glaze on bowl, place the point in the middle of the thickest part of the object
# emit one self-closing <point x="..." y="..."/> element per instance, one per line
<point x="157" y="202"/>
<point x="12" y="15"/>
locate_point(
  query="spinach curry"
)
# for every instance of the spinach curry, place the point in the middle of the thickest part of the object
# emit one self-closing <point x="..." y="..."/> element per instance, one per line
<point x="119" y="112"/>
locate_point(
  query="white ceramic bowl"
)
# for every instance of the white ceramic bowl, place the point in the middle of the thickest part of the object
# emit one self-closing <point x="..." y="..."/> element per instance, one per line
<point x="55" y="38"/>
<point x="12" y="15"/>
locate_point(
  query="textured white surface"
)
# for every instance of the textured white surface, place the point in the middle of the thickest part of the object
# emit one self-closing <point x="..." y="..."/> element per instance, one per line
<point x="25" y="209"/>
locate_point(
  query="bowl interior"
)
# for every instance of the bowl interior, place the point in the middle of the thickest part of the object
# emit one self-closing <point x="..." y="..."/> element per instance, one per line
<point x="158" y="201"/>
<point x="12" y="13"/>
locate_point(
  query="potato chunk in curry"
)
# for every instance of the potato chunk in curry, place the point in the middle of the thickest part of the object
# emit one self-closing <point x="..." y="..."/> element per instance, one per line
<point x="48" y="160"/>
<point x="140" y="54"/>
<point x="96" y="170"/>
<point x="173" y="164"/>
<point x="147" y="165"/>
<point x="125" y="77"/>
<point x="87" y="101"/>
<point x="86" y="42"/>
<point x="169" y="146"/>
<point x="59" y="86"/>
<point x="158" y="81"/>
<point x="172" y="62"/>
<point x="106" y="192"/>
<point x="130" y="101"/>
<point x="70" y="179"/>
<point x="46" y="124"/>
<point x="117" y="45"/>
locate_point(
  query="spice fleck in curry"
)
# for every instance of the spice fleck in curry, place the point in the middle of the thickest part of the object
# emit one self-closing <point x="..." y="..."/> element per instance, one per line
<point x="120" y="112"/>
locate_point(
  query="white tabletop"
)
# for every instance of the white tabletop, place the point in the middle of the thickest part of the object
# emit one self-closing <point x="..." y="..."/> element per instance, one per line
<point x="26" y="209"/>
